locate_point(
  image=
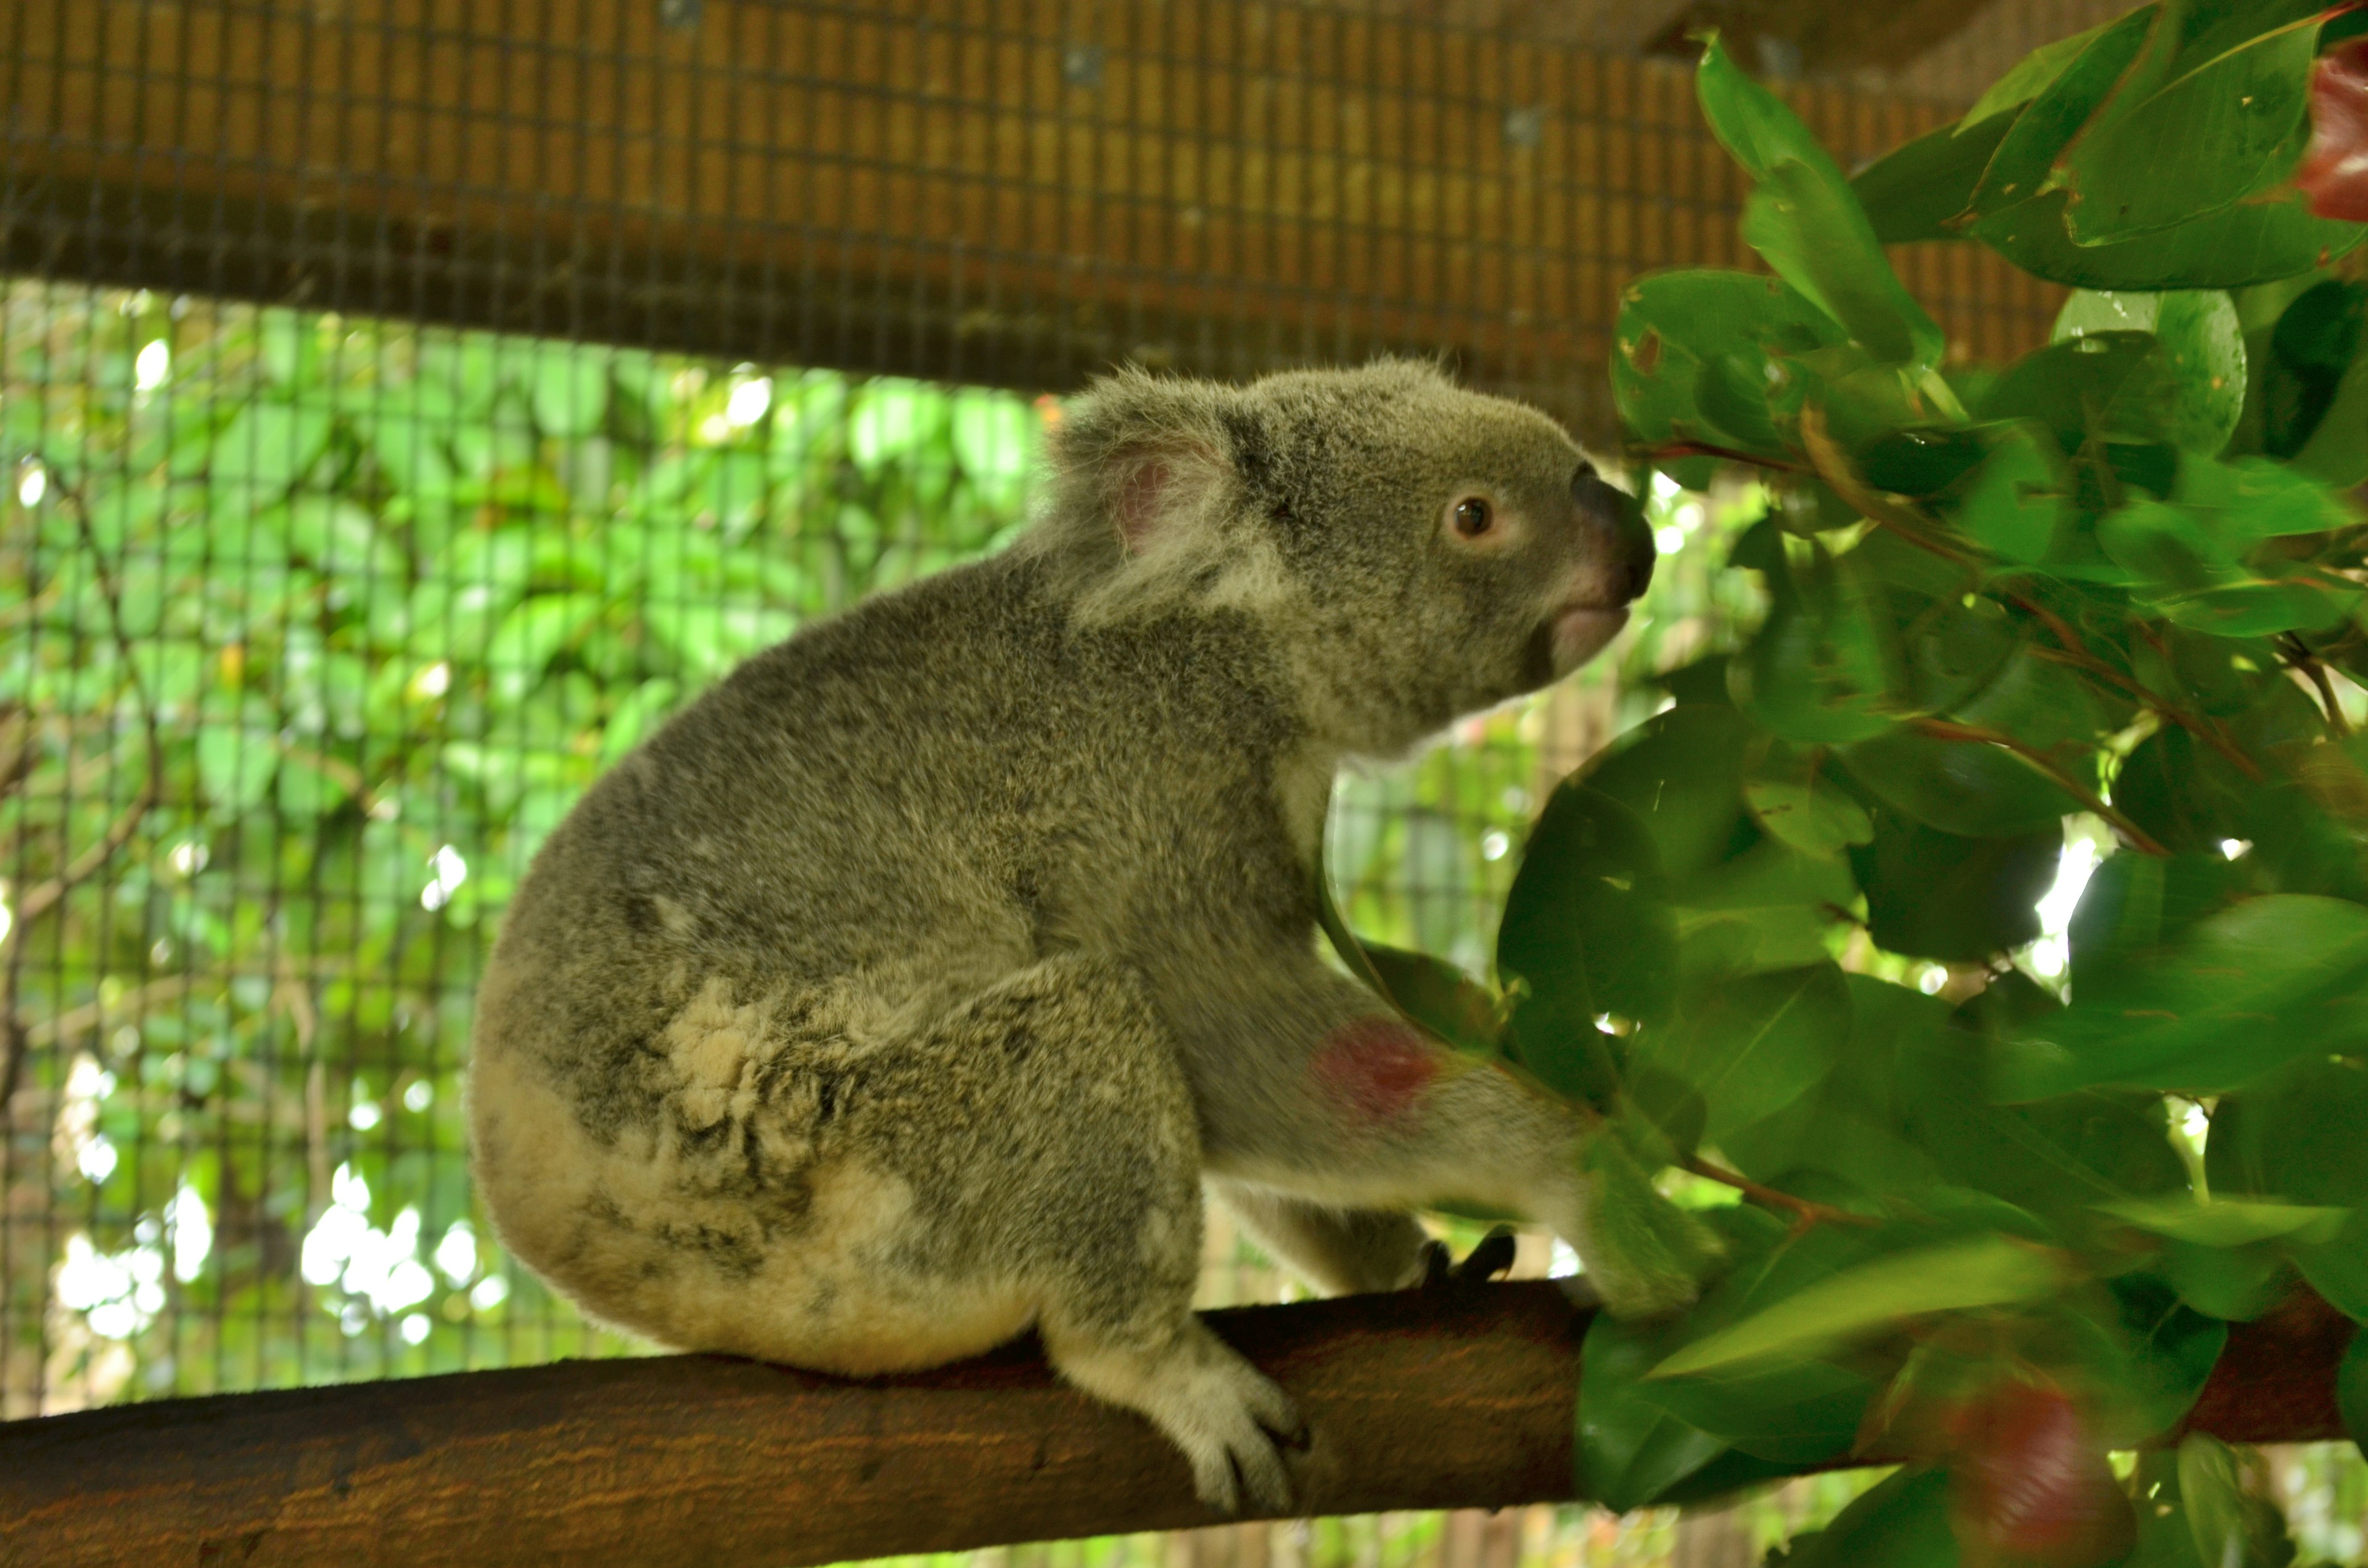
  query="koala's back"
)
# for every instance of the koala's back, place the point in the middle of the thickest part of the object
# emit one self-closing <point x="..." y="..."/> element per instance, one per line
<point x="686" y="1030"/>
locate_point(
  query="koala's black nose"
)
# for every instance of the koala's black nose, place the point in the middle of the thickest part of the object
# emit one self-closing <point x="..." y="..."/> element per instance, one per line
<point x="1623" y="520"/>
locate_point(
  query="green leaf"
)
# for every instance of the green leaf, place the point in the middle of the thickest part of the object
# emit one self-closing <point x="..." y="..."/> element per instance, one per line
<point x="2014" y="503"/>
<point x="2023" y="163"/>
<point x="2295" y="1134"/>
<point x="341" y="540"/>
<point x="2074" y="387"/>
<point x="1716" y="359"/>
<point x="1586" y="926"/>
<point x="235" y="764"/>
<point x="2250" y="499"/>
<point x="1804" y="220"/>
<point x="2223" y="1222"/>
<point x="1750" y="1045"/>
<point x="306" y="791"/>
<point x="1791" y="796"/>
<point x="996" y="438"/>
<point x="570" y="389"/>
<point x="1910" y="193"/>
<point x="523" y="645"/>
<point x="267" y="447"/>
<point x="2202" y="135"/>
<point x="638" y="713"/>
<point x="893" y="420"/>
<point x="1799" y="1413"/>
<point x="1681" y="772"/>
<point x="2337" y="452"/>
<point x="1940" y="895"/>
<point x="1815" y="672"/>
<point x="2352" y="1392"/>
<point x="2029" y="77"/>
<point x="1439" y="996"/>
<point x="1983" y="1271"/>
<point x="1752" y="123"/>
<point x="1965" y="788"/>
<point x="2196" y="392"/>
<point x="2242" y="991"/>
<point x="1846" y="1124"/>
<point x="2232" y="1528"/>
<point x="1630" y="1450"/>
<point x="2171" y="1351"/>
<point x="1902" y="1523"/>
<point x="1768" y="908"/>
<point x="711" y="638"/>
<point x="2258" y="241"/>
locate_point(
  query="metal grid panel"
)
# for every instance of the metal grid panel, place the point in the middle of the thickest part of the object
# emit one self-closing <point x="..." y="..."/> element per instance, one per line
<point x="1008" y="193"/>
<point x="329" y="609"/>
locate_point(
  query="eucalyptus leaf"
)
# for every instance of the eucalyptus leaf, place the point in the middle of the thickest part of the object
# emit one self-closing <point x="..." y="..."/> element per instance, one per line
<point x="2029" y="77"/>
<point x="2296" y="1134"/>
<point x="2205" y="136"/>
<point x="1630" y="1450"/>
<point x="1750" y="1045"/>
<point x="1982" y="1271"/>
<point x="2242" y="991"/>
<point x="2226" y="1222"/>
<point x="2352" y="1392"/>
<point x="1912" y="192"/>
<point x="1587" y="930"/>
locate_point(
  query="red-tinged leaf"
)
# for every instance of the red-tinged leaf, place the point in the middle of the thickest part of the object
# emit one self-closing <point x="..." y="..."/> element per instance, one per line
<point x="2335" y="170"/>
<point x="2029" y="1483"/>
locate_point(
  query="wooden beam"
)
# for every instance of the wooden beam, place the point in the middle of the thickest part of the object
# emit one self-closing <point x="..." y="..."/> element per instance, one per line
<point x="1418" y="1400"/>
<point x="1016" y="191"/>
<point x="1823" y="35"/>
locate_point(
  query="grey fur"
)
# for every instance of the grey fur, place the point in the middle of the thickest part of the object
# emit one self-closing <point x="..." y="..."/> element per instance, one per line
<point x="901" y="991"/>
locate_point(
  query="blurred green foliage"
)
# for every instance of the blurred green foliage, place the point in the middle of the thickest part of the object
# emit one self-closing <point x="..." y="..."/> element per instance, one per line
<point x="375" y="604"/>
<point x="2017" y="1134"/>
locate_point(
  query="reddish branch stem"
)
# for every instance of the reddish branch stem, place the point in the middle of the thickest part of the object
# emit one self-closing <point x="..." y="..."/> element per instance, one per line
<point x="1942" y="730"/>
<point x="1801" y="1209"/>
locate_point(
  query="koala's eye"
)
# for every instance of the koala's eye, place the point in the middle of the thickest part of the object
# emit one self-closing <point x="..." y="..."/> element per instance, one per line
<point x="1474" y="516"/>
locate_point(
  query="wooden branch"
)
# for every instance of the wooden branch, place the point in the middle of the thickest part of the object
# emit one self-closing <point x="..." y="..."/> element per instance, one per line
<point x="1458" y="1397"/>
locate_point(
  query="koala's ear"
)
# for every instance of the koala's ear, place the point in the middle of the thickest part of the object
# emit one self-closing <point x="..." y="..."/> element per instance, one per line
<point x="1159" y="487"/>
<point x="1140" y="459"/>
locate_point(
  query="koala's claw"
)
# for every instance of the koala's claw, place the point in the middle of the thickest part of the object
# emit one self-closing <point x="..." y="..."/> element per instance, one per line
<point x="1232" y="1443"/>
<point x="1491" y="1256"/>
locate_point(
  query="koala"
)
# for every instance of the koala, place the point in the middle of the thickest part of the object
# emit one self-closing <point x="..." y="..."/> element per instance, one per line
<point x="903" y="993"/>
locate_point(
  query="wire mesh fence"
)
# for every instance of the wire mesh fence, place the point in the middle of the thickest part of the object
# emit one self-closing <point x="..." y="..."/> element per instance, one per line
<point x="406" y="405"/>
<point x="325" y="624"/>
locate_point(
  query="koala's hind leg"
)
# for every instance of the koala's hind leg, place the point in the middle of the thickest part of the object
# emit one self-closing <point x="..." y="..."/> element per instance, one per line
<point x="1079" y="1165"/>
<point x="1345" y="1251"/>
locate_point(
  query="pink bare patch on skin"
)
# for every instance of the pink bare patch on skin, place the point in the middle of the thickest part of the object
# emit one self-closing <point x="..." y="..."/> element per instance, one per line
<point x="1376" y="1069"/>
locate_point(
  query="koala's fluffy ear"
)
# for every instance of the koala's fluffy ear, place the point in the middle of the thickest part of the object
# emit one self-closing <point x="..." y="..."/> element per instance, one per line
<point x="1158" y="489"/>
<point x="1140" y="464"/>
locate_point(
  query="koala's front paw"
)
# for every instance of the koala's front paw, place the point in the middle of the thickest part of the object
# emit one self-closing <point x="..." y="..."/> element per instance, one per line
<point x="1491" y="1256"/>
<point x="1646" y="1256"/>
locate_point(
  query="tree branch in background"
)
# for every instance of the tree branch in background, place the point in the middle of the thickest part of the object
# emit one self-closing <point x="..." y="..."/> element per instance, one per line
<point x="14" y="1039"/>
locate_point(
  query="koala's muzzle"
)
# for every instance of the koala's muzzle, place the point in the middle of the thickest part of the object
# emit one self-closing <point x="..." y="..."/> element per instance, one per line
<point x="1616" y="512"/>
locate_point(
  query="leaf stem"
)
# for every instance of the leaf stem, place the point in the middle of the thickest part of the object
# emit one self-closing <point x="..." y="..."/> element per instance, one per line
<point x="1943" y="730"/>
<point x="1803" y="1210"/>
<point x="2074" y="653"/>
<point x="1704" y="449"/>
<point x="1833" y="466"/>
